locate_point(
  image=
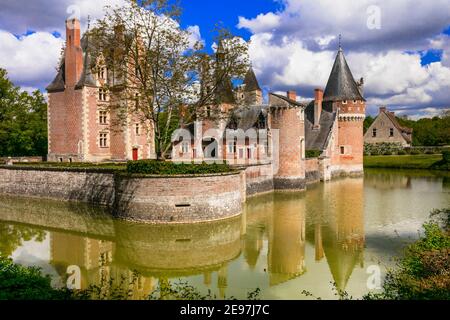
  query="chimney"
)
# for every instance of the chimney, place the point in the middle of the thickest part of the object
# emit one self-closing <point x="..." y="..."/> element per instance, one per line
<point x="318" y="101"/>
<point x="292" y="95"/>
<point x="74" y="53"/>
<point x="383" y="109"/>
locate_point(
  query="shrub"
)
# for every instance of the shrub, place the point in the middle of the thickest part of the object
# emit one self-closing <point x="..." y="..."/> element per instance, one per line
<point x="153" y="167"/>
<point x="22" y="283"/>
<point x="422" y="273"/>
<point x="446" y="155"/>
<point x="415" y="152"/>
<point x="387" y="153"/>
<point x="429" y="152"/>
<point x="401" y="153"/>
<point x="313" y="154"/>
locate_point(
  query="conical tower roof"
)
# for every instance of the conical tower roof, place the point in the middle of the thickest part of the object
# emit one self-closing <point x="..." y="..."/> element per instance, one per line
<point x="341" y="84"/>
<point x="250" y="81"/>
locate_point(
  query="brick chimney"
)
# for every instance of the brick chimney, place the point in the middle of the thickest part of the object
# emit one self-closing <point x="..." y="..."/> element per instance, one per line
<point x="383" y="109"/>
<point x="74" y="53"/>
<point x="292" y="95"/>
<point x="318" y="101"/>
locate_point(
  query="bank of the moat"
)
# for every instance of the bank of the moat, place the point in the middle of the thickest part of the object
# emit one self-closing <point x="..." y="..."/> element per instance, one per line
<point x="154" y="198"/>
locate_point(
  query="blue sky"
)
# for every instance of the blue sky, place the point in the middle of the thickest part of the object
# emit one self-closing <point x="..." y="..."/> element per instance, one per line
<point x="206" y="14"/>
<point x="405" y="60"/>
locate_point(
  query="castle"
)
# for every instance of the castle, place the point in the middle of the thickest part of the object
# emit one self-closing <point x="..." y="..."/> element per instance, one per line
<point x="284" y="131"/>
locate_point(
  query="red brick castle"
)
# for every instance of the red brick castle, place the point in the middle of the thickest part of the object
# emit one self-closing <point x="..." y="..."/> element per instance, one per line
<point x="82" y="127"/>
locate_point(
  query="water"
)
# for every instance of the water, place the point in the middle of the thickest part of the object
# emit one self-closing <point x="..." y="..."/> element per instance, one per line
<point x="283" y="244"/>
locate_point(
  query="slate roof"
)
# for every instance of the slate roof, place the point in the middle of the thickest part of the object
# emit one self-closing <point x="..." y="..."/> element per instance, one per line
<point x="341" y="84"/>
<point x="247" y="117"/>
<point x="58" y="84"/>
<point x="317" y="139"/>
<point x="86" y="78"/>
<point x="224" y="92"/>
<point x="250" y="81"/>
<point x="296" y="103"/>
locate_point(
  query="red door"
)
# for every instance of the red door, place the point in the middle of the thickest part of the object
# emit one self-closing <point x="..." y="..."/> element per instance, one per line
<point x="135" y="154"/>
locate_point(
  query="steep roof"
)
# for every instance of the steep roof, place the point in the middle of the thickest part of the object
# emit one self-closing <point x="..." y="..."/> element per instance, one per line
<point x="250" y="81"/>
<point x="224" y="92"/>
<point x="86" y="78"/>
<point x="247" y="117"/>
<point x="316" y="139"/>
<point x="59" y="83"/>
<point x="341" y="84"/>
<point x="293" y="102"/>
<point x="406" y="132"/>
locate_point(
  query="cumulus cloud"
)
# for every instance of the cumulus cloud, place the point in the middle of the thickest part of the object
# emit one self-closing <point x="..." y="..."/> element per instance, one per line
<point x="404" y="24"/>
<point x="194" y="36"/>
<point x="19" y="16"/>
<point x="295" y="49"/>
<point x="30" y="60"/>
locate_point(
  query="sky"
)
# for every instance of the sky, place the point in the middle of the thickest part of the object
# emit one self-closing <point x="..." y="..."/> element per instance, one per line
<point x="401" y="48"/>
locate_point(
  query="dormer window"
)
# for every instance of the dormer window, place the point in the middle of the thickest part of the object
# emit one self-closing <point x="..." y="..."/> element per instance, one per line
<point x="344" y="102"/>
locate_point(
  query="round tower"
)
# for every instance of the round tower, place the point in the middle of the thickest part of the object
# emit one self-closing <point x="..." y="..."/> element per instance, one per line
<point x="344" y="96"/>
<point x="288" y="139"/>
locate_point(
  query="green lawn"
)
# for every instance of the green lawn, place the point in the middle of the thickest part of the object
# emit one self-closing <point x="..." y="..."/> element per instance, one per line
<point x="402" y="162"/>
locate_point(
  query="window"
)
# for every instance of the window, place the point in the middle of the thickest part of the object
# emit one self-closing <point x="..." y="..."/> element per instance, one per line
<point x="231" y="147"/>
<point x="138" y="129"/>
<point x="61" y="160"/>
<point x="70" y="160"/>
<point x="249" y="153"/>
<point x="103" y="140"/>
<point x="103" y="117"/>
<point x="102" y="95"/>
<point x="344" y="102"/>
<point x="185" y="147"/>
<point x="391" y="132"/>
<point x="102" y="73"/>
<point x="342" y="150"/>
<point x="374" y="133"/>
<point x="208" y="112"/>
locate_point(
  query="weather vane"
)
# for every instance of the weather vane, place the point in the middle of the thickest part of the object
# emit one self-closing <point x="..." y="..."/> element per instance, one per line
<point x="340" y="39"/>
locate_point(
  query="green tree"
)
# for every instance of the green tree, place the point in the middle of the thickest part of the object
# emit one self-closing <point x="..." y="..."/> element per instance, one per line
<point x="158" y="74"/>
<point x="368" y="122"/>
<point x="23" y="120"/>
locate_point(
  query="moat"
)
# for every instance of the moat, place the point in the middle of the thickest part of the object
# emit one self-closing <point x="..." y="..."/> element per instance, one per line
<point x="282" y="244"/>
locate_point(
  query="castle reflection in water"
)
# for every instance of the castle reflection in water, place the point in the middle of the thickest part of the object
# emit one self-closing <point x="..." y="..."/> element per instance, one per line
<point x="103" y="248"/>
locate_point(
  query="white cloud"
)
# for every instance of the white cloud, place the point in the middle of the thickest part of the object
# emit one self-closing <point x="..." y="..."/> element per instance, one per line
<point x="404" y="23"/>
<point x="19" y="16"/>
<point x="30" y="60"/>
<point x="295" y="49"/>
<point x="194" y="36"/>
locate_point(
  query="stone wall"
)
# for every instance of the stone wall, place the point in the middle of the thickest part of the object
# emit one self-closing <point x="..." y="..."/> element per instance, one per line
<point x="312" y="170"/>
<point x="180" y="199"/>
<point x="259" y="179"/>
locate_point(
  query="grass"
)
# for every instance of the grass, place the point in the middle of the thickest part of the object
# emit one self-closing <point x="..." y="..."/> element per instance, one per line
<point x="403" y="162"/>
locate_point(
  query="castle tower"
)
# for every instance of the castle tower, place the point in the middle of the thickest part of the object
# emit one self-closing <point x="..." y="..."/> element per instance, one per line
<point x="344" y="96"/>
<point x="287" y="123"/>
<point x="82" y="124"/>
<point x="65" y="110"/>
<point x="252" y="91"/>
